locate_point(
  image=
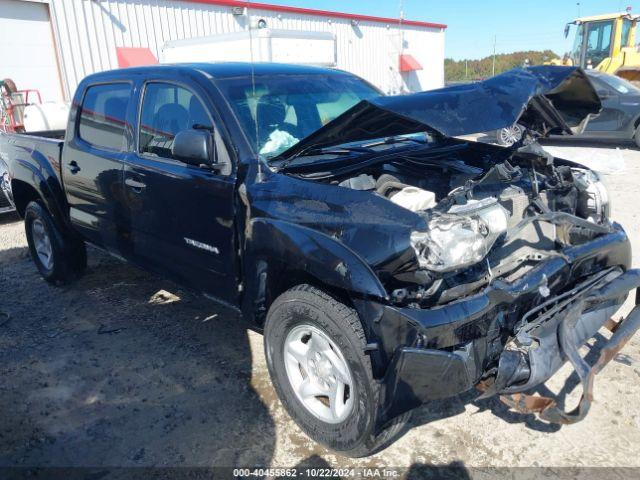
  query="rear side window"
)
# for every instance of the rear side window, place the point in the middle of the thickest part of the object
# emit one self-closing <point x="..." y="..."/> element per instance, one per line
<point x="102" y="116"/>
<point x="166" y="110"/>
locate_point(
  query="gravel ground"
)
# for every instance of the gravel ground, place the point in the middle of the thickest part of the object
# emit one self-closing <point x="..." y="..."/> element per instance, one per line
<point x="123" y="368"/>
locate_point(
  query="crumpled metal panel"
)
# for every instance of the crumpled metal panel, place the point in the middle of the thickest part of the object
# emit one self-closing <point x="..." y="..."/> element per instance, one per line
<point x="544" y="99"/>
<point x="376" y="229"/>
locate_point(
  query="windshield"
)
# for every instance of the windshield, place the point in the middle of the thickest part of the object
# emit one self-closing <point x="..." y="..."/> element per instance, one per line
<point x="277" y="111"/>
<point x="598" y="41"/>
<point x="619" y="84"/>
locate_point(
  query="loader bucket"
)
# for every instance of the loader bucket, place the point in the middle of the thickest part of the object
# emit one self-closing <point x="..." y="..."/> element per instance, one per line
<point x="630" y="74"/>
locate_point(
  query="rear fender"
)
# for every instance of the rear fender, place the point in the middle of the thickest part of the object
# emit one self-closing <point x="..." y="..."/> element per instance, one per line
<point x="38" y="173"/>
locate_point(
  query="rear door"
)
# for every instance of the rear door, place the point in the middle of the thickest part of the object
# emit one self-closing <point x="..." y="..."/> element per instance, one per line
<point x="93" y="164"/>
<point x="182" y="216"/>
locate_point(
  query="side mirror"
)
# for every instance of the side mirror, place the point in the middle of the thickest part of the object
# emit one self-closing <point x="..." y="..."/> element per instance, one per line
<point x="193" y="147"/>
<point x="566" y="30"/>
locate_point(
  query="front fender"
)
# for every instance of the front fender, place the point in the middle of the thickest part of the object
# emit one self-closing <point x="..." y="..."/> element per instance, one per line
<point x="301" y="249"/>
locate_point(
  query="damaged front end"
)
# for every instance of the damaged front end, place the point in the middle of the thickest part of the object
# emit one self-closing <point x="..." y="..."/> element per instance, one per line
<point x="511" y="336"/>
<point x="553" y="332"/>
<point x="498" y="264"/>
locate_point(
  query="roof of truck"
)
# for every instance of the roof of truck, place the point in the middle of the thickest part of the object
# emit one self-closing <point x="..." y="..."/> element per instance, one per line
<point x="226" y="69"/>
<point x="233" y="69"/>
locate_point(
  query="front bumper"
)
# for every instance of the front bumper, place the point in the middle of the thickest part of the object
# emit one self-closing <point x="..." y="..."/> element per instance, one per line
<point x="441" y="352"/>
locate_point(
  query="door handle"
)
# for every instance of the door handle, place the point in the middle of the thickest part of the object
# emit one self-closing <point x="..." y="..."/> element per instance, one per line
<point x="135" y="185"/>
<point x="73" y="167"/>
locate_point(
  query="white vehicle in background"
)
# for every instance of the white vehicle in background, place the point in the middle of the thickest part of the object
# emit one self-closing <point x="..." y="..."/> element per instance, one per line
<point x="266" y="45"/>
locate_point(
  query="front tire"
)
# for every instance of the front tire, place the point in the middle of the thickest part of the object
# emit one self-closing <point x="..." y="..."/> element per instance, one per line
<point x="315" y="349"/>
<point x="59" y="257"/>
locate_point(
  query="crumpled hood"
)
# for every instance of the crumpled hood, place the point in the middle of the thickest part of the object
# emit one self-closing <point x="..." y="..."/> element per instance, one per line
<point x="376" y="229"/>
<point x="544" y="99"/>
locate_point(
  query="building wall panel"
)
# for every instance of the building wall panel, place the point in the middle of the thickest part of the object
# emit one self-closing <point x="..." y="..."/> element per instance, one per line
<point x="88" y="32"/>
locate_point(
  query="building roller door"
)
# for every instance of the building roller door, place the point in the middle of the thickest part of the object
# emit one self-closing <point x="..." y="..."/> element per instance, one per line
<point x="27" y="52"/>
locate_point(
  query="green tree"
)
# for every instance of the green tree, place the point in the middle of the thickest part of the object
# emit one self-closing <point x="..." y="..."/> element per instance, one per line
<point x="454" y="70"/>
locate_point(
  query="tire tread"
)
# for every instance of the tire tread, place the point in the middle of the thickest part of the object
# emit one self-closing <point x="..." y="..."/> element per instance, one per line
<point x="70" y="257"/>
<point x="349" y="319"/>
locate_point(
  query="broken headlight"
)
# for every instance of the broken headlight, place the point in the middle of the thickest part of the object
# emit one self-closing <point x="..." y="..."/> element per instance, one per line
<point x="461" y="237"/>
<point x="594" y="203"/>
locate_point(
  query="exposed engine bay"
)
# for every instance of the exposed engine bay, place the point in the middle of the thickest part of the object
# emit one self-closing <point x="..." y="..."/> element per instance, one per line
<point x="486" y="219"/>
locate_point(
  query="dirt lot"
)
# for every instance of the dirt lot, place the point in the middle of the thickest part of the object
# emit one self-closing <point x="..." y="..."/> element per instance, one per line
<point x="126" y="369"/>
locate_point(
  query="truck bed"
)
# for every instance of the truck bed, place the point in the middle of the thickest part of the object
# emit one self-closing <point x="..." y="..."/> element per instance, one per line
<point x="49" y="134"/>
<point x="46" y="145"/>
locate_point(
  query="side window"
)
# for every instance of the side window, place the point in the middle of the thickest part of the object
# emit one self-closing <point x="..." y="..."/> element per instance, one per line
<point x="166" y="110"/>
<point x="626" y="30"/>
<point x="102" y="115"/>
<point x="600" y="85"/>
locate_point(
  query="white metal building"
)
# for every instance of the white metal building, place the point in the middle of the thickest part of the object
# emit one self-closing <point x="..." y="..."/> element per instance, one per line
<point x="50" y="45"/>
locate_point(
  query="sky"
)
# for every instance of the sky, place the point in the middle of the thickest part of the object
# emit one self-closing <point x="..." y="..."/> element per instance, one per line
<point x="472" y="24"/>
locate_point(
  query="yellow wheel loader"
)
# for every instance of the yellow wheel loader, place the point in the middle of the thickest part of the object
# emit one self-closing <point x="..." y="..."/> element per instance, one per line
<point x="607" y="43"/>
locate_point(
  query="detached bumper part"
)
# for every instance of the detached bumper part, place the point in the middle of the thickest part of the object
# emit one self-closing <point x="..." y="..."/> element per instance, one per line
<point x="549" y="335"/>
<point x="557" y="338"/>
<point x="418" y="374"/>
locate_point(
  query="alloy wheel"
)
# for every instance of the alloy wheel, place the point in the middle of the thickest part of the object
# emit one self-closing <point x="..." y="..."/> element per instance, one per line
<point x="42" y="243"/>
<point x="319" y="373"/>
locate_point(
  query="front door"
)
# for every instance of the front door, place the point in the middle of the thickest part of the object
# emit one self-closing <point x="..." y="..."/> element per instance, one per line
<point x="181" y="216"/>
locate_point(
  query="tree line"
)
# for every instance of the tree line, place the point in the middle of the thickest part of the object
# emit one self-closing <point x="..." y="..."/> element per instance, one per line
<point x="470" y="70"/>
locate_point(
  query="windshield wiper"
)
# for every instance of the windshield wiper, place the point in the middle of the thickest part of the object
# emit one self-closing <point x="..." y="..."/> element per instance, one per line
<point x="394" y="140"/>
<point x="348" y="150"/>
<point x="325" y="151"/>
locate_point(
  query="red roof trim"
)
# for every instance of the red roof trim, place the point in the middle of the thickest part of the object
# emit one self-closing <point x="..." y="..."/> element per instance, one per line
<point x="313" y="11"/>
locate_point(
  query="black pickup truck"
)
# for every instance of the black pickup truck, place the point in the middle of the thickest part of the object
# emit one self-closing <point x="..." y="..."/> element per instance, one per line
<point x="387" y="261"/>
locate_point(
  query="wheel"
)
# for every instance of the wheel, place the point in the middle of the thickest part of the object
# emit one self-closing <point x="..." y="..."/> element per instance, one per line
<point x="509" y="135"/>
<point x="59" y="257"/>
<point x="636" y="137"/>
<point x="315" y="354"/>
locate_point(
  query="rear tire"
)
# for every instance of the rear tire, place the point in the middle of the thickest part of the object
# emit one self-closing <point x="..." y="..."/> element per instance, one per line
<point x="59" y="256"/>
<point x="306" y="310"/>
